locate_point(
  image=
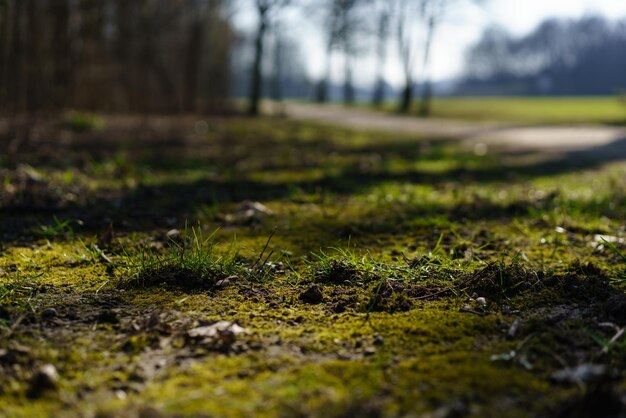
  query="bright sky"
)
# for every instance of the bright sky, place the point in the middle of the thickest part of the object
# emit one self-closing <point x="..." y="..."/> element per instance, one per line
<point x="463" y="28"/>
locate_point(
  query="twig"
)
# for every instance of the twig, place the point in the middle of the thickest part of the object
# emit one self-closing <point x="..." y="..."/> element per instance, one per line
<point x="264" y="248"/>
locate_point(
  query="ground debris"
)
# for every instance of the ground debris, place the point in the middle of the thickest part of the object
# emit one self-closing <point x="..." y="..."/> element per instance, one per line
<point x="221" y="336"/>
<point x="248" y="212"/>
<point x="512" y="331"/>
<point x="581" y="374"/>
<point x="470" y="309"/>
<point x="49" y="313"/>
<point x="312" y="295"/>
<point x="45" y="378"/>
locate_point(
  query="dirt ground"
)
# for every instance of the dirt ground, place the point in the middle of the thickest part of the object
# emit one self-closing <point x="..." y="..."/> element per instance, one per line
<point x="231" y="267"/>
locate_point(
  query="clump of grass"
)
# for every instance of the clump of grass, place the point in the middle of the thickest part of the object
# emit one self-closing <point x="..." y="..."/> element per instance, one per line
<point x="389" y="296"/>
<point x="58" y="229"/>
<point x="344" y="267"/>
<point x="189" y="263"/>
<point x="82" y="121"/>
<point x="621" y="277"/>
<point x="18" y="294"/>
<point x="499" y="280"/>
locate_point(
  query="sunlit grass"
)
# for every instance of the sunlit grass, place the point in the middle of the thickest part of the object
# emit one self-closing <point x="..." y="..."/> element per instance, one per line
<point x="532" y="110"/>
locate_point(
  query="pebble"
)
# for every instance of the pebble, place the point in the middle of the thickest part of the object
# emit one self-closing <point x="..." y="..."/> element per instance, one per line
<point x="173" y="234"/>
<point x="583" y="373"/>
<point x="369" y="351"/>
<point x="121" y="395"/>
<point x="49" y="313"/>
<point x="45" y="378"/>
<point x="223" y="283"/>
<point x="481" y="301"/>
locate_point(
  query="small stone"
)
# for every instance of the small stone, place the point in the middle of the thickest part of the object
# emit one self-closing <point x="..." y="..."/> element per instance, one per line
<point x="584" y="373"/>
<point x="120" y="394"/>
<point x="513" y="329"/>
<point x="481" y="301"/>
<point x="46" y="378"/>
<point x="219" y="329"/>
<point x="312" y="295"/>
<point x="255" y="346"/>
<point x="369" y="351"/>
<point x="173" y="234"/>
<point x="223" y="283"/>
<point x="49" y="313"/>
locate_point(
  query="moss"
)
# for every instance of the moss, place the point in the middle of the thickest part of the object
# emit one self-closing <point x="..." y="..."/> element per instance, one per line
<point x="401" y="238"/>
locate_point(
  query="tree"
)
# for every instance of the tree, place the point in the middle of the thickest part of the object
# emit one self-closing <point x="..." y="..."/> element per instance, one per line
<point x="332" y="27"/>
<point x="406" y="38"/>
<point x="113" y="55"/>
<point x="560" y="57"/>
<point x="344" y="26"/>
<point x="433" y="12"/>
<point x="265" y="10"/>
<point x="413" y="15"/>
<point x="384" y="14"/>
<point x="353" y="31"/>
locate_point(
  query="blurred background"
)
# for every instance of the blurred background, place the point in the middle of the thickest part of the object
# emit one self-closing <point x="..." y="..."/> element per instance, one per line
<point x="175" y="56"/>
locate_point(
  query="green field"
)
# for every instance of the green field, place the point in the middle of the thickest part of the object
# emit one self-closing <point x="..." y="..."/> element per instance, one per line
<point x="534" y="110"/>
<point x="359" y="275"/>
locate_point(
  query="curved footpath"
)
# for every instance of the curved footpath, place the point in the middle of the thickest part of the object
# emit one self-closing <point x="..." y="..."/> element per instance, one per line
<point x="578" y="140"/>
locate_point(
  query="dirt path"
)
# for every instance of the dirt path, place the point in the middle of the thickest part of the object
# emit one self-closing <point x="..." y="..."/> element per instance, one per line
<point x="596" y="141"/>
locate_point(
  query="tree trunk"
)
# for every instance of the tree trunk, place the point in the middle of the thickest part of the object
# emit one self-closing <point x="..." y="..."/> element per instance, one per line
<point x="62" y="52"/>
<point x="381" y="54"/>
<point x="192" y="64"/>
<point x="426" y="96"/>
<point x="277" y="79"/>
<point x="33" y="90"/>
<point x="257" y="75"/>
<point x="426" y="99"/>
<point x="321" y="95"/>
<point x="348" y="87"/>
<point x="15" y="72"/>
<point x="379" y="92"/>
<point x="7" y="32"/>
<point x="407" y="98"/>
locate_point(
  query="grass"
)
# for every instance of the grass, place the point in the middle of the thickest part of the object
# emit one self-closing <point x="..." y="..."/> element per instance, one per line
<point x="189" y="262"/>
<point x="79" y="121"/>
<point x="533" y="110"/>
<point x="380" y="275"/>
<point x="56" y="230"/>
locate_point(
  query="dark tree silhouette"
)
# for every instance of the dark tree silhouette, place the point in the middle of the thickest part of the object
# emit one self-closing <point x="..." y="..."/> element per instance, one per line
<point x="383" y="24"/>
<point x="265" y="10"/>
<point x="121" y="55"/>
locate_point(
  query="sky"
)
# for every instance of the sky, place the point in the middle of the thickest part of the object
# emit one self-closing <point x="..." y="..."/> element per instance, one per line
<point x="461" y="29"/>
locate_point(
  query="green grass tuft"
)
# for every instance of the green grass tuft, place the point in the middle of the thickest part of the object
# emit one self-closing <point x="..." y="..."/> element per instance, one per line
<point x="82" y="121"/>
<point x="189" y="263"/>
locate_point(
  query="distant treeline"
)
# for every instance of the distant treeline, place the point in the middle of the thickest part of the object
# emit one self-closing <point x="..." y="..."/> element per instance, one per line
<point x="561" y="57"/>
<point x="123" y="55"/>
